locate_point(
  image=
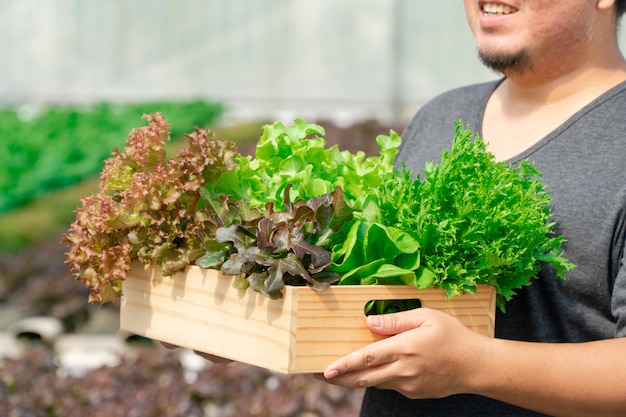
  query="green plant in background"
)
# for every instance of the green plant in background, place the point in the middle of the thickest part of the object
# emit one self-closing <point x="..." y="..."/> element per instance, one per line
<point x="60" y="146"/>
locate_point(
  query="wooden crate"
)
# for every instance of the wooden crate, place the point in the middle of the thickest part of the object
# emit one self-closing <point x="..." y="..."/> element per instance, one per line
<point x="301" y="333"/>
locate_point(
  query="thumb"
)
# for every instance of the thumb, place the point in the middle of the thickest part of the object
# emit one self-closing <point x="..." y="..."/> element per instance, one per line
<point x="394" y="323"/>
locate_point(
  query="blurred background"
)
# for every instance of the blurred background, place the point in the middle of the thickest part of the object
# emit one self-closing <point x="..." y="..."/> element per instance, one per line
<point x="351" y="59"/>
<point x="76" y="76"/>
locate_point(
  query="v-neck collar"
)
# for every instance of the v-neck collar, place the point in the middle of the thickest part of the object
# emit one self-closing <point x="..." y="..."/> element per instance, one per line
<point x="607" y="95"/>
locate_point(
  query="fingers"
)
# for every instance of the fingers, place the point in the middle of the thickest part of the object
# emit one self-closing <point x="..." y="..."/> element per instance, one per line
<point x="390" y="324"/>
<point x="359" y="378"/>
<point x="375" y="355"/>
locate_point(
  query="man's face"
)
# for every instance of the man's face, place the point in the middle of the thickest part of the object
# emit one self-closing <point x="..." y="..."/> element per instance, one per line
<point x="518" y="37"/>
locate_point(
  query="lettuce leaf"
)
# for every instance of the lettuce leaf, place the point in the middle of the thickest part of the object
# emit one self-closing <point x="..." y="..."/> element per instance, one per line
<point x="298" y="156"/>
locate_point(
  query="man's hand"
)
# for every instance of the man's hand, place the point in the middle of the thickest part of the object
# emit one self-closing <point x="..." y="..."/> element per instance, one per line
<point x="430" y="354"/>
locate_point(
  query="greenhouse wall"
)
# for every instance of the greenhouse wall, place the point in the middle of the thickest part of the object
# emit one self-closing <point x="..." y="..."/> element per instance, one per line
<point x="343" y="59"/>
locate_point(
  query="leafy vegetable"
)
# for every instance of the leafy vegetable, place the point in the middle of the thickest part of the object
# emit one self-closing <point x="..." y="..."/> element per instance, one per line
<point x="298" y="156"/>
<point x="291" y="245"/>
<point x="148" y="208"/>
<point x="167" y="212"/>
<point x="275" y="248"/>
<point x="474" y="221"/>
<point x="301" y="213"/>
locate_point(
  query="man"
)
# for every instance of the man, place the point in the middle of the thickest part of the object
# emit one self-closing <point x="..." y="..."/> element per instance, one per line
<point x="560" y="348"/>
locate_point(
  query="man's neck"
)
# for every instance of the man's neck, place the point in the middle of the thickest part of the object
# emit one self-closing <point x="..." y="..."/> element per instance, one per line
<point x="564" y="84"/>
<point x="521" y="112"/>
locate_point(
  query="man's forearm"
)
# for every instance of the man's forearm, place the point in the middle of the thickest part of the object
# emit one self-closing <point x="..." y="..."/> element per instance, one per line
<point x="583" y="379"/>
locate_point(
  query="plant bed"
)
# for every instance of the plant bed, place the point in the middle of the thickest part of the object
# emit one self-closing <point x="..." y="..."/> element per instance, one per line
<point x="302" y="332"/>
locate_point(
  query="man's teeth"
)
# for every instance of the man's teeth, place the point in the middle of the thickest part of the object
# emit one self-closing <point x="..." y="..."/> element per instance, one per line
<point x="497" y="8"/>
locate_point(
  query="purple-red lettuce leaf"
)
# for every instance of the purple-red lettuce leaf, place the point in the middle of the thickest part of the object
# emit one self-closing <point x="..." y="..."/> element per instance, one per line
<point x="280" y="247"/>
<point x="148" y="208"/>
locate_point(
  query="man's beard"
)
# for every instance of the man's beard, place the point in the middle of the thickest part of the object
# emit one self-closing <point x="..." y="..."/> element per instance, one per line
<point x="507" y="64"/>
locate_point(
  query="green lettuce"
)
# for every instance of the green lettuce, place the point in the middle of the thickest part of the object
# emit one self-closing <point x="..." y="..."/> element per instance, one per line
<point x="473" y="220"/>
<point x="298" y="156"/>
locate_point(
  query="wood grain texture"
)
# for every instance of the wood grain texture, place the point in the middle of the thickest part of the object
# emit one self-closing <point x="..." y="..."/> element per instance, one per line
<point x="300" y="333"/>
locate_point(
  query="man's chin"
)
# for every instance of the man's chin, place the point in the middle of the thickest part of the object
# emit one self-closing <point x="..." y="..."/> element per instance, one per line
<point x="507" y="63"/>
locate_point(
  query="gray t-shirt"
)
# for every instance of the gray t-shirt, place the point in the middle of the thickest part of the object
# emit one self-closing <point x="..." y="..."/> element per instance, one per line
<point x="583" y="166"/>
